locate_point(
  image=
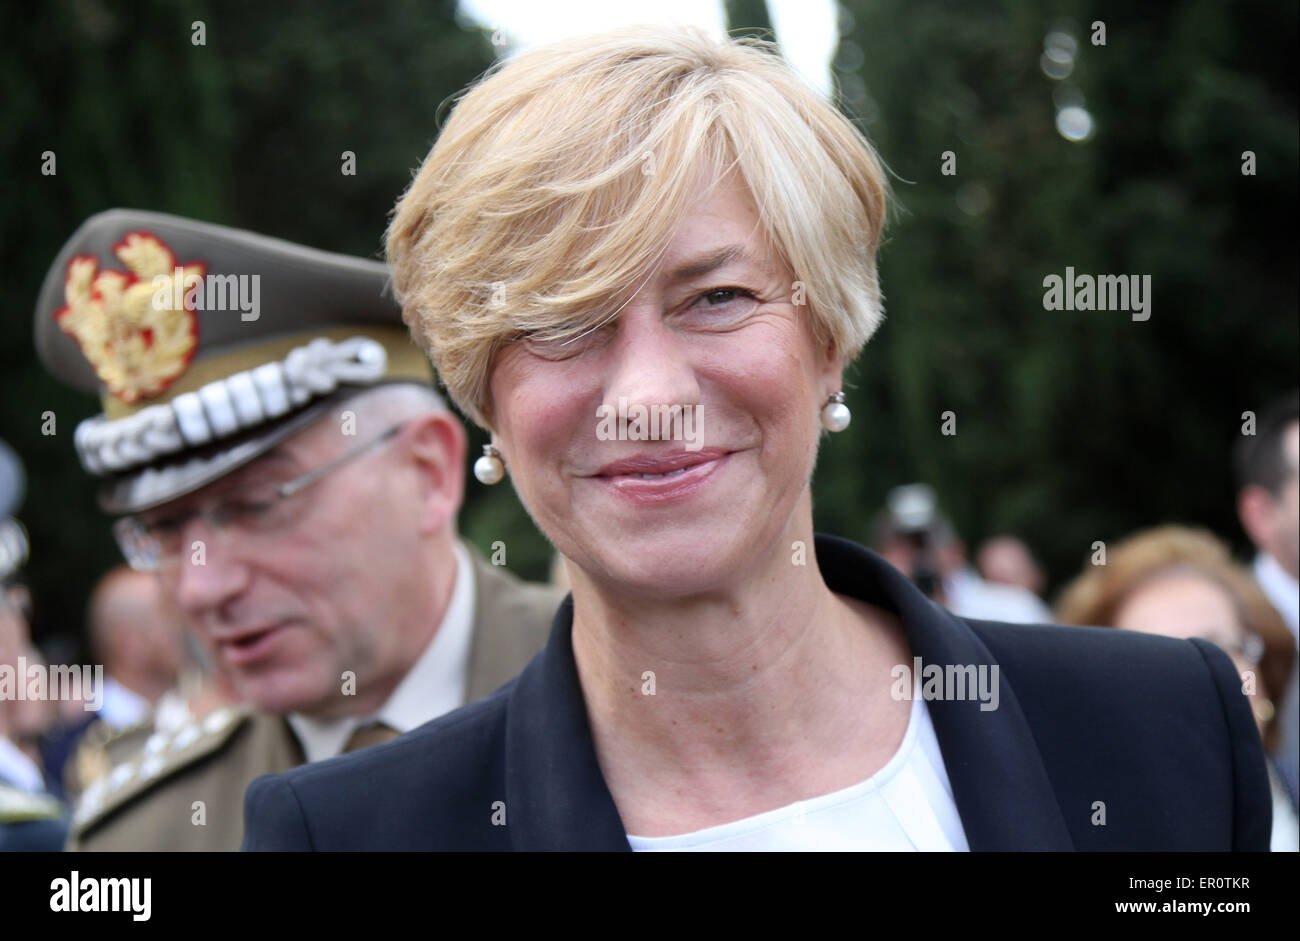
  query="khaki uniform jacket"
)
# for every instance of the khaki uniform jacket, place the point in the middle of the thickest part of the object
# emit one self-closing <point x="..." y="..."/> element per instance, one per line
<point x="186" y="791"/>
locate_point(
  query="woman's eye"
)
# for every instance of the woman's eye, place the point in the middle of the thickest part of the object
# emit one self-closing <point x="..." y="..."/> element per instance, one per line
<point x="563" y="346"/>
<point x="550" y="347"/>
<point x="722" y="295"/>
<point x="723" y="306"/>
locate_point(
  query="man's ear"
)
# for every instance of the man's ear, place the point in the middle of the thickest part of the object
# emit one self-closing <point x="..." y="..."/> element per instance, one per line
<point x="436" y="442"/>
<point x="1256" y="509"/>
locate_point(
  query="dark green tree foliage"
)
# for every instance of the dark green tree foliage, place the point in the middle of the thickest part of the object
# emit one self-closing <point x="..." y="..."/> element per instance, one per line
<point x="1072" y="426"/>
<point x="749" y="18"/>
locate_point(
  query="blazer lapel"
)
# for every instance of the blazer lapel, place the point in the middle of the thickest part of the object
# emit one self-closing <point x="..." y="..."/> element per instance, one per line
<point x="999" y="784"/>
<point x="556" y="797"/>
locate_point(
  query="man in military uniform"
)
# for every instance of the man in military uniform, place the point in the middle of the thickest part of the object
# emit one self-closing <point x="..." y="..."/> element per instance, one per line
<point x="274" y="449"/>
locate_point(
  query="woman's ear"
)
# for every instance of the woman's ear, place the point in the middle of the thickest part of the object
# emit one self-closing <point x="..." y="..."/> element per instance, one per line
<point x="832" y="366"/>
<point x="436" y="443"/>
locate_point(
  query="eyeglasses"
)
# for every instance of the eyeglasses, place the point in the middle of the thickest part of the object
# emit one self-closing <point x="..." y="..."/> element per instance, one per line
<point x="153" y="544"/>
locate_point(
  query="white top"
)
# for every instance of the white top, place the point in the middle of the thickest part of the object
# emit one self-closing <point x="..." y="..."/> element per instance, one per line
<point x="435" y="685"/>
<point x="905" y="806"/>
<point x="1282" y="590"/>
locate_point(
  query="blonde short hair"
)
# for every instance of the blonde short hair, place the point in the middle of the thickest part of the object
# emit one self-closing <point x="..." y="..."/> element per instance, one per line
<point x="557" y="182"/>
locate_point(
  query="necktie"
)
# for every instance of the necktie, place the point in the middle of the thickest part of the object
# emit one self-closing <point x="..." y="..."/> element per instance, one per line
<point x="375" y="733"/>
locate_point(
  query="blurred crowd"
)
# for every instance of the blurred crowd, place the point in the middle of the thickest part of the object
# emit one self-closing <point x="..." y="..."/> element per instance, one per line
<point x="1176" y="580"/>
<point x="155" y="678"/>
<point x="1169" y="579"/>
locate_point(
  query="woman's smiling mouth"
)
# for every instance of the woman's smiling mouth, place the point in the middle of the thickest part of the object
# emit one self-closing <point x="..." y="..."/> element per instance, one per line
<point x="648" y="479"/>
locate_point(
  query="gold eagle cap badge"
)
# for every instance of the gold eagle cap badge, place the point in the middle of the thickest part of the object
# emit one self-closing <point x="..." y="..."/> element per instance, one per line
<point x="137" y="328"/>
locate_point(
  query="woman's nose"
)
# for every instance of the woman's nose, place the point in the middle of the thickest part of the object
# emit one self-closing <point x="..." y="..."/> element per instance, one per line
<point x="650" y="363"/>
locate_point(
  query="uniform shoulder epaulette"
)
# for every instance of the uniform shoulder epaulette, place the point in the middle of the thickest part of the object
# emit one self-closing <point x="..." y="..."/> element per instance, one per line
<point x="164" y="754"/>
<point x="19" y="806"/>
<point x="100" y="748"/>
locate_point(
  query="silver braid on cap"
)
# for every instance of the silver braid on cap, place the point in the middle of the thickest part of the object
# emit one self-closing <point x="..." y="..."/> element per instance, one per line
<point x="228" y="406"/>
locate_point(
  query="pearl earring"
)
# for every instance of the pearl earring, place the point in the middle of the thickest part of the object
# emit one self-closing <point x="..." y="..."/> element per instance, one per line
<point x="835" y="414"/>
<point x="489" y="469"/>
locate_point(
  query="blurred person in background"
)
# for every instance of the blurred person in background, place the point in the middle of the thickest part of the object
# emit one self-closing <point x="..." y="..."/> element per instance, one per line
<point x="31" y="817"/>
<point x="137" y="642"/>
<point x="1006" y="560"/>
<point x="275" y="455"/>
<point x="151" y="678"/>
<point x="137" y="636"/>
<point x="918" y="540"/>
<point x="1182" y="582"/>
<point x="1267" y="466"/>
<point x="24" y="721"/>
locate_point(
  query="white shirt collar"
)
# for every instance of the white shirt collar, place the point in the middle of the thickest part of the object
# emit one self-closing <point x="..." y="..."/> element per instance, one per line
<point x="122" y="707"/>
<point x="435" y="684"/>
<point x="1281" y="588"/>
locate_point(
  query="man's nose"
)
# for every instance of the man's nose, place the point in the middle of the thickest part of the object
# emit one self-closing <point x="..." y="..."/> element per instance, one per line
<point x="651" y="363"/>
<point x="208" y="573"/>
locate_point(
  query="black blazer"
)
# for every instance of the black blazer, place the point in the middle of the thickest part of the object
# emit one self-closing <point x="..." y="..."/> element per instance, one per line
<point x="1155" y="729"/>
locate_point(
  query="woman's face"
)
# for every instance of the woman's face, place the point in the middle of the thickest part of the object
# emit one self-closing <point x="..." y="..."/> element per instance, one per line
<point x="713" y="333"/>
<point x="1186" y="605"/>
<point x="1183" y="605"/>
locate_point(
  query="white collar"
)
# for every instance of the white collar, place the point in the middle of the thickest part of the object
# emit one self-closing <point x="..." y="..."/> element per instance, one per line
<point x="435" y="684"/>
<point x="1281" y="587"/>
<point x="122" y="706"/>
